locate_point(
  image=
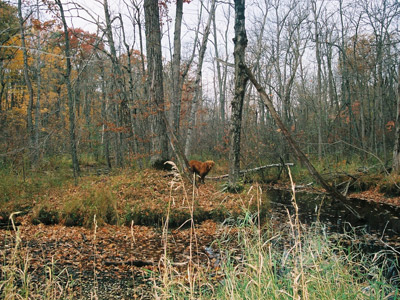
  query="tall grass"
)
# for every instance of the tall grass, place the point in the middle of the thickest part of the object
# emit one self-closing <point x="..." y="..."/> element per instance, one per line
<point x="291" y="262"/>
<point x="21" y="188"/>
<point x="16" y="281"/>
<point x="250" y="260"/>
<point x="281" y="268"/>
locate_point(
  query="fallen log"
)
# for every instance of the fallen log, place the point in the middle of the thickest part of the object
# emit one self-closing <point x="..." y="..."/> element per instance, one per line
<point x="295" y="147"/>
<point x="251" y="170"/>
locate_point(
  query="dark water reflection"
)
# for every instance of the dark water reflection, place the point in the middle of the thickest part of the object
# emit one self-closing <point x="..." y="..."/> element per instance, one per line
<point x="380" y="220"/>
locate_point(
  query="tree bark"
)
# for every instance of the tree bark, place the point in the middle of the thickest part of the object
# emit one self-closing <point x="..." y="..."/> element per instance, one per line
<point x="159" y="139"/>
<point x="28" y="83"/>
<point x="241" y="79"/>
<point x="396" y="148"/>
<point x="176" y="67"/>
<point x="71" y="104"/>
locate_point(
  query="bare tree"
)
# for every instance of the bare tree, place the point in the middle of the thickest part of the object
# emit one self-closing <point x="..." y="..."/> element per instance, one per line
<point x="159" y="138"/>
<point x="71" y="104"/>
<point x="222" y="75"/>
<point x="300" y="155"/>
<point x="287" y="46"/>
<point x="241" y="79"/>
<point x="176" y="68"/>
<point x="28" y="82"/>
<point x="121" y="109"/>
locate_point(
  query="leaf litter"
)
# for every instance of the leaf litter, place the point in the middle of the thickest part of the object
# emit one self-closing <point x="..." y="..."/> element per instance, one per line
<point x="98" y="259"/>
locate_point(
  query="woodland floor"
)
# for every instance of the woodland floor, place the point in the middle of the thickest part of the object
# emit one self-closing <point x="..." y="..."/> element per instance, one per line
<point x="104" y="262"/>
<point x="91" y="259"/>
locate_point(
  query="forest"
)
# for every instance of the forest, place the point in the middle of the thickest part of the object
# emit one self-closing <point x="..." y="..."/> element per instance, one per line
<point x="294" y="106"/>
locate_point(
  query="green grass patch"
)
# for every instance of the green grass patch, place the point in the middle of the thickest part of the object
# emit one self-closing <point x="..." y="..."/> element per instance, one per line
<point x="20" y="190"/>
<point x="176" y="217"/>
<point x="82" y="208"/>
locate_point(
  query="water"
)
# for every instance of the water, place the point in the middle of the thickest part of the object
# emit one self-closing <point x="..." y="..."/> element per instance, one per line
<point x="380" y="221"/>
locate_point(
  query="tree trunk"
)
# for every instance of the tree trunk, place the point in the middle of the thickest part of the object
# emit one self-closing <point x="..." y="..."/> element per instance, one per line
<point x="131" y="88"/>
<point x="38" y="82"/>
<point x="396" y="148"/>
<point x="316" y="13"/>
<point x="28" y="82"/>
<point x="176" y="67"/>
<point x="105" y="136"/>
<point x="71" y="104"/>
<point x="122" y="107"/>
<point x="241" y="79"/>
<point x="159" y="139"/>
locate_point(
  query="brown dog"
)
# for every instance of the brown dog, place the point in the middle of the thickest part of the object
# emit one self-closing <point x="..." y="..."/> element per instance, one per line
<point x="201" y="168"/>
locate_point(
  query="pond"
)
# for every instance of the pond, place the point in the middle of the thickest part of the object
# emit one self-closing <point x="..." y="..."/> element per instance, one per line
<point x="379" y="220"/>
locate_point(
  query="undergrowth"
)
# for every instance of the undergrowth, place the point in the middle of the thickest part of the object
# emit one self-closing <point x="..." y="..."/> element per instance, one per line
<point x="249" y="260"/>
<point x="294" y="262"/>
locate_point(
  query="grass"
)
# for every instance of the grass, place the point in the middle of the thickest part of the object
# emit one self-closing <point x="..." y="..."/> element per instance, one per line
<point x="309" y="267"/>
<point x="257" y="262"/>
<point x="20" y="190"/>
<point x="248" y="260"/>
<point x="296" y="262"/>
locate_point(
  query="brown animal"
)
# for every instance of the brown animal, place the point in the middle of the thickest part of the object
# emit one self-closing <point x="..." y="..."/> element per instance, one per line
<point x="201" y="168"/>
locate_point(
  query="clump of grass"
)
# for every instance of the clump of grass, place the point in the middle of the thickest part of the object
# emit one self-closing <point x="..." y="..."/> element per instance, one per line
<point x="46" y="215"/>
<point x="390" y="185"/>
<point x="299" y="263"/>
<point x="157" y="215"/>
<point x="80" y="210"/>
<point x="235" y="188"/>
<point x="143" y="216"/>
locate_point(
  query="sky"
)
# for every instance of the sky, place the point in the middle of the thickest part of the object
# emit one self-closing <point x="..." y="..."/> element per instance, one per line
<point x="95" y="12"/>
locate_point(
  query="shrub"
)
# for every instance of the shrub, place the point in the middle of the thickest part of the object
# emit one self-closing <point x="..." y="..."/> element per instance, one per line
<point x="81" y="210"/>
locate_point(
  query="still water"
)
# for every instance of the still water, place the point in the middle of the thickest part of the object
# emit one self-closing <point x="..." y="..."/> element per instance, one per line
<point x="381" y="221"/>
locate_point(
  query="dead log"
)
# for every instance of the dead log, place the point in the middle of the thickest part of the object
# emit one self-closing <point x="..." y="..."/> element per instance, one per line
<point x="251" y="170"/>
<point x="296" y="149"/>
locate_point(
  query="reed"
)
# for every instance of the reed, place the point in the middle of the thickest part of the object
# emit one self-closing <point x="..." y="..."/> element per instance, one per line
<point x="253" y="259"/>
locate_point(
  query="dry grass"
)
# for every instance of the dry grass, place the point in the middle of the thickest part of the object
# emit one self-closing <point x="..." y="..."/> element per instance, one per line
<point x="247" y="259"/>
